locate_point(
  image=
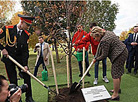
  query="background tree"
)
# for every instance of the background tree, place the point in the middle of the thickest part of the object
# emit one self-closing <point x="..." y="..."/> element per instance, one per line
<point x="103" y="12"/>
<point x="123" y="35"/>
<point x="6" y="9"/>
<point x="15" y="19"/>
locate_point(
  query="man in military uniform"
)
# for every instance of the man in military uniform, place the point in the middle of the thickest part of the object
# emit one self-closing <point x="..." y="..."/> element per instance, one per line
<point x="16" y="45"/>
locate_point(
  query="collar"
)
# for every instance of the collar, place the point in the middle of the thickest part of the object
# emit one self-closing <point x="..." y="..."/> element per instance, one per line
<point x="43" y="43"/>
<point x="18" y="29"/>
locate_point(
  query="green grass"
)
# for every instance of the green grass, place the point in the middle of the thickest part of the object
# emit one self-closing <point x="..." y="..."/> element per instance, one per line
<point x="40" y="94"/>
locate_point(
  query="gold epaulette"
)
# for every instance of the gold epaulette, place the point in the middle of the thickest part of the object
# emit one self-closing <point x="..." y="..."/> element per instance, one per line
<point x="8" y="40"/>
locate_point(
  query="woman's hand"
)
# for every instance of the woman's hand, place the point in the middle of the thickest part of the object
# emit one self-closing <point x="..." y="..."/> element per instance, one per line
<point x="94" y="60"/>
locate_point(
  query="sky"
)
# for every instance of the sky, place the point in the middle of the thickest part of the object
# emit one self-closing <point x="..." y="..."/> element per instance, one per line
<point x="126" y="18"/>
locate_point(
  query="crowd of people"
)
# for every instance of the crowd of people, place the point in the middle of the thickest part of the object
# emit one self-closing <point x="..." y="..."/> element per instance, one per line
<point x="104" y="44"/>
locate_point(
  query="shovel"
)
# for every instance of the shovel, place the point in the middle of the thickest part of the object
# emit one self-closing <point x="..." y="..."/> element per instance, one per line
<point x="75" y="86"/>
<point x="19" y="65"/>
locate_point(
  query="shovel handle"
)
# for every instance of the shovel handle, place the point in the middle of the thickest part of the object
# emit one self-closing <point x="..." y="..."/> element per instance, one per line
<point x="19" y="65"/>
<point x="86" y="72"/>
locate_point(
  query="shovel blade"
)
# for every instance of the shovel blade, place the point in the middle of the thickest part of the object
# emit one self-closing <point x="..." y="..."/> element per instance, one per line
<point x="75" y="86"/>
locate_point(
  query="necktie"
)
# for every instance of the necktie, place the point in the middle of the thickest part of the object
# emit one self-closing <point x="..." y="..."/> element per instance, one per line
<point x="134" y="37"/>
<point x="19" y="33"/>
<point x="41" y="51"/>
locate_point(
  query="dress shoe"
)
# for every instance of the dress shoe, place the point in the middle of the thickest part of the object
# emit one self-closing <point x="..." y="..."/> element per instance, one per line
<point x="88" y="74"/>
<point x="80" y="75"/>
<point x="119" y="91"/>
<point x="116" y="98"/>
<point x="29" y="99"/>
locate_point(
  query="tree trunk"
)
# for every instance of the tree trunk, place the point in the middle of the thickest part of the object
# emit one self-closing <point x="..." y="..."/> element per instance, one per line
<point x="53" y="47"/>
<point x="69" y="43"/>
<point x="56" y="50"/>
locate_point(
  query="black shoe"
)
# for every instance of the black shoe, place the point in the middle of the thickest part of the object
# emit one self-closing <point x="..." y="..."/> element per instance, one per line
<point x="29" y="99"/>
<point x="80" y="75"/>
<point x="116" y="98"/>
<point x="88" y="75"/>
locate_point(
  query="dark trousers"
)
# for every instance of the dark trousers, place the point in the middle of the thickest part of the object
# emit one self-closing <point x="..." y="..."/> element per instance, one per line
<point x="86" y="63"/>
<point x="127" y="62"/>
<point x="40" y="61"/>
<point x="133" y="54"/>
<point x="97" y="66"/>
<point x="12" y="75"/>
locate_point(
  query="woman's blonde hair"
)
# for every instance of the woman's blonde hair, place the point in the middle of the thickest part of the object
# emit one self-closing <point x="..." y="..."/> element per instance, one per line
<point x="97" y="31"/>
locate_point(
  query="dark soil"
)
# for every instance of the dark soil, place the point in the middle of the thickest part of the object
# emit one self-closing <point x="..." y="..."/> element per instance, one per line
<point x="64" y="96"/>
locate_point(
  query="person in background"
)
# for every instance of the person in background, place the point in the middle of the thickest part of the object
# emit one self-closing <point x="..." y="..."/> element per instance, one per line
<point x="133" y="50"/>
<point x="16" y="45"/>
<point x="127" y="62"/>
<point x="5" y="93"/>
<point x="77" y="37"/>
<point x="94" y="45"/>
<point x="43" y="51"/>
<point x="110" y="46"/>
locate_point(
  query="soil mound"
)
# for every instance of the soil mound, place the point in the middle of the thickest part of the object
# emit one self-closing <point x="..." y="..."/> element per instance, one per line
<point x="74" y="97"/>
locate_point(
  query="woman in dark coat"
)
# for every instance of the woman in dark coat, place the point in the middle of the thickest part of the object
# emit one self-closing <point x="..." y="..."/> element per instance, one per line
<point x="110" y="46"/>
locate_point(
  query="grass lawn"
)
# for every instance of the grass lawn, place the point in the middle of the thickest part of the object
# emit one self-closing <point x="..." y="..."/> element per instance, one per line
<point x="40" y="94"/>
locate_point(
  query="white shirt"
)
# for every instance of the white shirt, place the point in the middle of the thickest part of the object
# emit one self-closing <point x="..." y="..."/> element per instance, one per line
<point x="42" y="46"/>
<point x="19" y="30"/>
<point x="135" y="35"/>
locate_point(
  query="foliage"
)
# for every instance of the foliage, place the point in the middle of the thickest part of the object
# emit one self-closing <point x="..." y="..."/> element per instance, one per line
<point x="33" y="39"/>
<point x="15" y="19"/>
<point x="124" y="34"/>
<point x="6" y="8"/>
<point x="102" y="12"/>
<point x="53" y="15"/>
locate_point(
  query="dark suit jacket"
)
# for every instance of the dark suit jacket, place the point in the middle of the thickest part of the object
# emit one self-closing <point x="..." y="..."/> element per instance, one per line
<point x="20" y="50"/>
<point x="130" y="40"/>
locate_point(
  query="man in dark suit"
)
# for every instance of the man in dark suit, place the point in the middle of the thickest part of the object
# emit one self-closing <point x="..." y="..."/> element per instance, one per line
<point x="16" y="45"/>
<point x="133" y="50"/>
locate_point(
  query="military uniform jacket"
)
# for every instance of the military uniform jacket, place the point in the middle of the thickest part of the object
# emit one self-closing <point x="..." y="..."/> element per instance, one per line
<point x="19" y="49"/>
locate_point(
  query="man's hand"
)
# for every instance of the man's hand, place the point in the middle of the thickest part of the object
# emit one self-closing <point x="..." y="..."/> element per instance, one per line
<point x="5" y="52"/>
<point x="16" y="96"/>
<point x="26" y="69"/>
<point x="46" y="59"/>
<point x="134" y="43"/>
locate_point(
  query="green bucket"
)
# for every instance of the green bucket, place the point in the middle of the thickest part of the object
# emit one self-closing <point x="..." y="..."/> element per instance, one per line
<point x="79" y="56"/>
<point x="44" y="75"/>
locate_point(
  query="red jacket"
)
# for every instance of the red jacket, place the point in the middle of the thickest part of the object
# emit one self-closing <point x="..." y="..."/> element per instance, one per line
<point x="78" y="37"/>
<point x="90" y="39"/>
